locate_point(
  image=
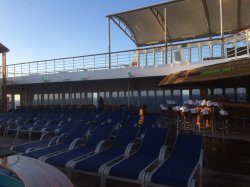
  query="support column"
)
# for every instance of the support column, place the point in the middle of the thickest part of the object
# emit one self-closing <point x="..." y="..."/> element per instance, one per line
<point x="109" y="43"/>
<point x="166" y="43"/>
<point x="4" y="85"/>
<point x="221" y="29"/>
<point x="204" y="93"/>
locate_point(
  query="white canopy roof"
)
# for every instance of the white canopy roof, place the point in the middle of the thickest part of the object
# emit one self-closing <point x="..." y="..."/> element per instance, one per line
<point x="186" y="19"/>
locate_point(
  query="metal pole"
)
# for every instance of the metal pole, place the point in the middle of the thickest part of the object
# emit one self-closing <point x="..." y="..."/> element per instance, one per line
<point x="109" y="43"/>
<point x="166" y="44"/>
<point x="221" y="29"/>
<point x="4" y="86"/>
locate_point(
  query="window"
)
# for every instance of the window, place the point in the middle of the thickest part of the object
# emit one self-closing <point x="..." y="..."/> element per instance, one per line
<point x="45" y="99"/>
<point x="17" y="100"/>
<point x="150" y="59"/>
<point x="196" y="94"/>
<point x="217" y="50"/>
<point x="167" y="94"/>
<point x="194" y="54"/>
<point x="158" y="57"/>
<point x="142" y="59"/>
<point x="205" y="52"/>
<point x="241" y="94"/>
<point x="185" y="95"/>
<point x="177" y="96"/>
<point x="230" y="94"/>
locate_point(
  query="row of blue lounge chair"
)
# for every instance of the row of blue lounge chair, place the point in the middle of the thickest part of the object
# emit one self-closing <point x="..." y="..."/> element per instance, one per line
<point x="47" y="122"/>
<point x="119" y="161"/>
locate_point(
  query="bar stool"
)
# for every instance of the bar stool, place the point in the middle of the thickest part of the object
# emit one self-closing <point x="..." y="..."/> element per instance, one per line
<point x="205" y="117"/>
<point x="185" y="117"/>
<point x="177" y="112"/>
<point x="194" y="116"/>
<point x="224" y="122"/>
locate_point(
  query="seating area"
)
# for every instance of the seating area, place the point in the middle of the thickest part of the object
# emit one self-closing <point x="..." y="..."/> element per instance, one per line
<point x="202" y="117"/>
<point x="108" y="145"/>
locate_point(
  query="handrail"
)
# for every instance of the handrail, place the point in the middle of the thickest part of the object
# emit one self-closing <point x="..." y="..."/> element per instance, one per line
<point x="137" y="57"/>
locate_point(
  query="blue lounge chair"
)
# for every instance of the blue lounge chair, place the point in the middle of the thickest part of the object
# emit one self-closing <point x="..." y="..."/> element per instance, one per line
<point x="179" y="169"/>
<point x="78" y="132"/>
<point x="133" y="168"/>
<point x="93" y="165"/>
<point x="100" y="134"/>
<point x="27" y="147"/>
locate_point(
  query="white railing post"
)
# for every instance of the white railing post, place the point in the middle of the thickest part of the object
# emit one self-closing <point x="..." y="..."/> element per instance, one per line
<point x="189" y="54"/>
<point x="200" y="53"/>
<point x="235" y="49"/>
<point x="247" y="44"/>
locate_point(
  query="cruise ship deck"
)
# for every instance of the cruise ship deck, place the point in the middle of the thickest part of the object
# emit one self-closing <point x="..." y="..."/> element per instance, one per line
<point x="172" y="112"/>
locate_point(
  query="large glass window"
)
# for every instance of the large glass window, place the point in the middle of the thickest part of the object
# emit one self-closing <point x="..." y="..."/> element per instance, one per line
<point x="135" y="98"/>
<point x="89" y="98"/>
<point x="122" y="98"/>
<point x="56" y="98"/>
<point x="143" y="97"/>
<point x="185" y="95"/>
<point x="67" y="98"/>
<point x="45" y="99"/>
<point x="241" y="94"/>
<point x="186" y="54"/>
<point x="205" y="52"/>
<point x="51" y="98"/>
<point x="167" y="94"/>
<point x="159" y="97"/>
<point x="115" y="99"/>
<point x="77" y="99"/>
<point x="230" y="94"/>
<point x="194" y="54"/>
<point x="196" y="94"/>
<point x="107" y="98"/>
<point x="158" y="57"/>
<point x="142" y="57"/>
<point x="177" y="96"/>
<point x="150" y="59"/>
<point x="35" y="99"/>
<point x="217" y="50"/>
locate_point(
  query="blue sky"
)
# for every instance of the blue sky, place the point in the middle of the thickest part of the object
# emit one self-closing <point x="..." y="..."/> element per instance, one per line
<point x="44" y="29"/>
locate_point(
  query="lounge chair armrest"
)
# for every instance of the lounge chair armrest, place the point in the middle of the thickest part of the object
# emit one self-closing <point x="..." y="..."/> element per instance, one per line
<point x="44" y="135"/>
<point x="74" y="142"/>
<point x="128" y="149"/>
<point x="53" y="140"/>
<point x="48" y="122"/>
<point x="100" y="145"/>
<point x="61" y="137"/>
<point x="164" y="152"/>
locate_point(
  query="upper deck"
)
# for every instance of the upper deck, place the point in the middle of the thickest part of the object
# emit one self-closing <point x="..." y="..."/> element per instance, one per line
<point x="147" y="62"/>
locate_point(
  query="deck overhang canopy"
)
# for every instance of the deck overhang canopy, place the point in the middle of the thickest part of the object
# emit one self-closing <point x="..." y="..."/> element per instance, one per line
<point x="3" y="49"/>
<point x="227" y="70"/>
<point x="178" y="20"/>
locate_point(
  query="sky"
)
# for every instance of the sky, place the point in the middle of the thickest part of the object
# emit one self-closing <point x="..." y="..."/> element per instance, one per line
<point x="46" y="29"/>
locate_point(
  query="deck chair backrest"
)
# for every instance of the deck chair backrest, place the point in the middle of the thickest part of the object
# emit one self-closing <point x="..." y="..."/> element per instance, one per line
<point x="188" y="145"/>
<point x="125" y="135"/>
<point x="132" y="120"/>
<point x="100" y="133"/>
<point x="149" y="121"/>
<point x="77" y="132"/>
<point x="66" y="127"/>
<point x="153" y="140"/>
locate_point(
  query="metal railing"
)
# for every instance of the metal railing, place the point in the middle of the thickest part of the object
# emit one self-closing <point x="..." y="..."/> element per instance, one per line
<point x="191" y="52"/>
